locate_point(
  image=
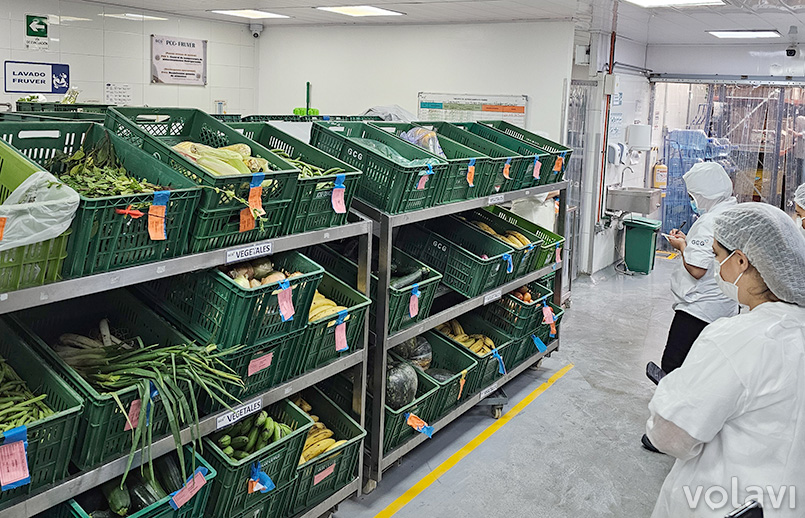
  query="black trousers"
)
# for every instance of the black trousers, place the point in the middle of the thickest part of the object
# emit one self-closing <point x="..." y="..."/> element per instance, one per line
<point x="685" y="329"/>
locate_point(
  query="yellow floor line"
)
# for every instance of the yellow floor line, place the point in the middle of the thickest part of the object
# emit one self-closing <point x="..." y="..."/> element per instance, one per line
<point x="445" y="466"/>
<point x="672" y="256"/>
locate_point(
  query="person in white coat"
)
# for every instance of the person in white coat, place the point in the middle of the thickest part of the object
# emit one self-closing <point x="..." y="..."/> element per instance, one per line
<point x="697" y="299"/>
<point x="734" y="414"/>
<point x="799" y="205"/>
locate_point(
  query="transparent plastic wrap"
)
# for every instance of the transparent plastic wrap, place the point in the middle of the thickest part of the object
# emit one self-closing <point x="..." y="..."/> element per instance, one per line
<point x="391" y="154"/>
<point x="424" y="138"/>
<point x="40" y="209"/>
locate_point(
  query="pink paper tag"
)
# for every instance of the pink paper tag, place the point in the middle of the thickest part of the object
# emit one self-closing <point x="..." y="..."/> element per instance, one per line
<point x="260" y="363"/>
<point x="13" y="463"/>
<point x="134" y="415"/>
<point x="413" y="306"/>
<point x="324" y="474"/>
<point x="339" y="206"/>
<point x="422" y="181"/>
<point x="341" y="337"/>
<point x="286" y="303"/>
<point x="559" y="254"/>
<point x="537" y="166"/>
<point x="189" y="490"/>
<point x="547" y="315"/>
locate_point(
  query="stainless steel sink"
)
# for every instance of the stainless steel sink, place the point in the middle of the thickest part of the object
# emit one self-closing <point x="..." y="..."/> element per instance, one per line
<point x="641" y="200"/>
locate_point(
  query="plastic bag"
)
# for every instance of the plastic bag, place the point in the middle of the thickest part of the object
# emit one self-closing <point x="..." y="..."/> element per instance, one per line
<point x="391" y="154"/>
<point x="424" y="138"/>
<point x="392" y="112"/>
<point x="40" y="209"/>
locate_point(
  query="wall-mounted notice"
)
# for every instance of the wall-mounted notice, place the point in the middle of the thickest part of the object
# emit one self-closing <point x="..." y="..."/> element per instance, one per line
<point x="178" y="61"/>
<point x="41" y="78"/>
<point x="469" y="107"/>
<point x="118" y="94"/>
<point x="36" y="32"/>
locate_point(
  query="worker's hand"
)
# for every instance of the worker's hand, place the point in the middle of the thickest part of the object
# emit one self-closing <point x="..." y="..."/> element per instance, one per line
<point x="677" y="240"/>
<point x="678" y="234"/>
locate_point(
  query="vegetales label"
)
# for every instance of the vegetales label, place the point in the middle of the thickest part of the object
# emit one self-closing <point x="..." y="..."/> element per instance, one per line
<point x="248" y="252"/>
<point x="239" y="413"/>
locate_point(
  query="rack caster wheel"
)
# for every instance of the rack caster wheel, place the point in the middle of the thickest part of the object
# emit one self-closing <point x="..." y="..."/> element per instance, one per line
<point x="537" y="365"/>
<point x="497" y="411"/>
<point x="370" y="486"/>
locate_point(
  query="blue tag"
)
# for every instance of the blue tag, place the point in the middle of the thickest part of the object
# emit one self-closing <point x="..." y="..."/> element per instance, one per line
<point x="257" y="180"/>
<point x="200" y="469"/>
<point x="342" y="316"/>
<point x="154" y="393"/>
<point x="430" y="168"/>
<point x="18" y="434"/>
<point x="415" y="289"/>
<point x="263" y="482"/>
<point x="161" y="197"/>
<point x="541" y="347"/>
<point x="501" y="366"/>
<point x="339" y="181"/>
<point x="509" y="265"/>
<point x="508" y="161"/>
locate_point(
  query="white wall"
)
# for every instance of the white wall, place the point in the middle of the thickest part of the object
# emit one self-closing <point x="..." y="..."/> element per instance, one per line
<point x="752" y="60"/>
<point x="354" y="68"/>
<point x="114" y="50"/>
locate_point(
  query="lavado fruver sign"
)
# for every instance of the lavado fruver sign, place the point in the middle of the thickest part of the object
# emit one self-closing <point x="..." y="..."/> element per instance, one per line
<point x="178" y="61"/>
<point x="41" y="78"/>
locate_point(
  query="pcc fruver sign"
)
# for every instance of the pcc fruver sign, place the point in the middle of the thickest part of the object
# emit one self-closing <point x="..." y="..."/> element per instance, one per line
<point x="178" y="61"/>
<point x="41" y="78"/>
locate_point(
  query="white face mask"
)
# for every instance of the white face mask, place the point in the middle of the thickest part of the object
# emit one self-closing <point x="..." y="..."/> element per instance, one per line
<point x="730" y="289"/>
<point x="799" y="224"/>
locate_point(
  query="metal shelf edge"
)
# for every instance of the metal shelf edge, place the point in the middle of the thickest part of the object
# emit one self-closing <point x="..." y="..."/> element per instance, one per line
<point x="72" y="288"/>
<point x="332" y="501"/>
<point x="406" y="447"/>
<point x="468" y="305"/>
<point x="79" y="483"/>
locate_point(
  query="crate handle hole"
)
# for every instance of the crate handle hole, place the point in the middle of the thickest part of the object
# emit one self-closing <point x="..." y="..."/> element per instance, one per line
<point x="39" y="134"/>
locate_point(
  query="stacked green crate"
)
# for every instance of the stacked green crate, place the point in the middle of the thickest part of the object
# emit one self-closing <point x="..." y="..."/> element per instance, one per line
<point x="552" y="243"/>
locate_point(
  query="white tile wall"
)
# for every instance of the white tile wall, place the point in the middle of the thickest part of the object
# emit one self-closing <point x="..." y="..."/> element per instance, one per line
<point x="105" y="49"/>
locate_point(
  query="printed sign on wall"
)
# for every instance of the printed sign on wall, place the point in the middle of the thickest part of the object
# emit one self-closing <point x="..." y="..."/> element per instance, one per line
<point x="41" y="78"/>
<point x="36" y="32"/>
<point x="178" y="61"/>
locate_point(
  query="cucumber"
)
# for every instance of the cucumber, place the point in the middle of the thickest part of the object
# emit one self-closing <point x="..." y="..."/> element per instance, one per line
<point x="117" y="497"/>
<point x="252" y="439"/>
<point x="399" y="283"/>
<point x="168" y="473"/>
<point x="239" y="442"/>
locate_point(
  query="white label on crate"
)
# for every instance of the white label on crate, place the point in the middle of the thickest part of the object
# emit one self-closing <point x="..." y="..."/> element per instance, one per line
<point x="3" y="296"/>
<point x="496" y="198"/>
<point x="248" y="252"/>
<point x="488" y="390"/>
<point x="239" y="413"/>
<point x="492" y="297"/>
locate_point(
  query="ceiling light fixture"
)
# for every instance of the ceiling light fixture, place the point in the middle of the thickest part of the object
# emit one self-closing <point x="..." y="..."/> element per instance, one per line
<point x="56" y="20"/>
<point x="360" y="10"/>
<point x="135" y="17"/>
<point x="252" y="14"/>
<point x="740" y="34"/>
<point x="650" y="4"/>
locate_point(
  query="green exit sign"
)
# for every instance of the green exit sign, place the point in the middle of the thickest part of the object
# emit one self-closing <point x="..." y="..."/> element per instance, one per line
<point x="36" y="26"/>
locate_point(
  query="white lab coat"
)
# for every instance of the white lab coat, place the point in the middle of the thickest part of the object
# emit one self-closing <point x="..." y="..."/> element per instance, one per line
<point x="741" y="396"/>
<point x="702" y="298"/>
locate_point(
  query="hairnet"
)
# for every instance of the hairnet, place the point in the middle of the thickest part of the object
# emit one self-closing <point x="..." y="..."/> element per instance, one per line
<point x="799" y="196"/>
<point x="773" y="244"/>
<point x="709" y="184"/>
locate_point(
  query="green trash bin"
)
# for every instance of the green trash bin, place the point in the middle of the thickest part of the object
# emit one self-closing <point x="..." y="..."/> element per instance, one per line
<point x="641" y="243"/>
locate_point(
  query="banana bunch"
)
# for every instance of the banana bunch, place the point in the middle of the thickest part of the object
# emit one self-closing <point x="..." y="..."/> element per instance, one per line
<point x="512" y="237"/>
<point x="323" y="307"/>
<point x="319" y="439"/>
<point x="250" y="435"/>
<point x="479" y="344"/>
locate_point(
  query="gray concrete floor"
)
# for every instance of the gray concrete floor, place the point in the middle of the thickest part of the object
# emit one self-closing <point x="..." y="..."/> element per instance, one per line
<point x="574" y="451"/>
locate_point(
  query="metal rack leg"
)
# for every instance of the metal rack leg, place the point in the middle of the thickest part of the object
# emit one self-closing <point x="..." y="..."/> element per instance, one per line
<point x="360" y="377"/>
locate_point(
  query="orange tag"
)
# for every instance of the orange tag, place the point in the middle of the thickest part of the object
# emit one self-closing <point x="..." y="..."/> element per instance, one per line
<point x="471" y="173"/>
<point x="461" y="383"/>
<point x="256" y="199"/>
<point x="557" y="166"/>
<point x="415" y="422"/>
<point x="2" y="227"/>
<point x="507" y="169"/>
<point x="553" y="328"/>
<point x="246" y="220"/>
<point x="156" y="222"/>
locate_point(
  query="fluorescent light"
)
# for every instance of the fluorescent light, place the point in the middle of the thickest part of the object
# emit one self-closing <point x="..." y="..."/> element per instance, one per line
<point x="56" y="20"/>
<point x="745" y="34"/>
<point x="648" y="4"/>
<point x="250" y="13"/>
<point x="131" y="16"/>
<point x="360" y="10"/>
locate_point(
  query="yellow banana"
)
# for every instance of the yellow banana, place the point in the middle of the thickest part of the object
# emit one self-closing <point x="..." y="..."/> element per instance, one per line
<point x="520" y="237"/>
<point x="488" y="342"/>
<point x="320" y="435"/>
<point x="335" y="445"/>
<point x="458" y="326"/>
<point x="454" y="325"/>
<point x="318" y="448"/>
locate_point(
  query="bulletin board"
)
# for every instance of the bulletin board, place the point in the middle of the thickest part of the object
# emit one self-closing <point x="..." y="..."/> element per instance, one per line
<point x="469" y="107"/>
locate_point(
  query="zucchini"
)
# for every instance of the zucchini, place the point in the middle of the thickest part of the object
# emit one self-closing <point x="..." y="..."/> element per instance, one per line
<point x="399" y="283"/>
<point x="117" y="497"/>
<point x="168" y="473"/>
<point x="142" y="495"/>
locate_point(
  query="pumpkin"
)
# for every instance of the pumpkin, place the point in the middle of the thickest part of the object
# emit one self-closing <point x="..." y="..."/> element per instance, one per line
<point x="401" y="384"/>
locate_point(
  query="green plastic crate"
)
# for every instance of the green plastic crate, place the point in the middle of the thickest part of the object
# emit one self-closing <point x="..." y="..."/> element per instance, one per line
<point x="352" y="118"/>
<point x="527" y="346"/>
<point x="318" y="343"/>
<point x="524" y="257"/>
<point x="513" y="316"/>
<point x="27" y="106"/>
<point x="455" y="186"/>
<point x="458" y="257"/>
<point x="51" y="116"/>
<point x="385" y="184"/>
<point x="447" y="356"/>
<point x="557" y="151"/>
<point x="399" y="299"/>
<point x="102" y="239"/>
<point x="50" y="440"/>
<point x="488" y="366"/>
<point x="213" y="309"/>
<point x="229" y="495"/>
<point x="275" y="505"/>
<point x="226" y="117"/>
<point x="30" y="265"/>
<point x="552" y="243"/>
<point x="498" y="156"/>
<point x="267" y="118"/>
<point x="101" y="435"/>
<point x="162" y="509"/>
<point x="312" y="206"/>
<point x="155" y="130"/>
<point x="523" y="168"/>
<point x="323" y="476"/>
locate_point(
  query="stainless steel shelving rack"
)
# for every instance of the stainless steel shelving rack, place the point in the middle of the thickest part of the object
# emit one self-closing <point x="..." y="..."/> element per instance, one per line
<point x="358" y="226"/>
<point x="383" y="227"/>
